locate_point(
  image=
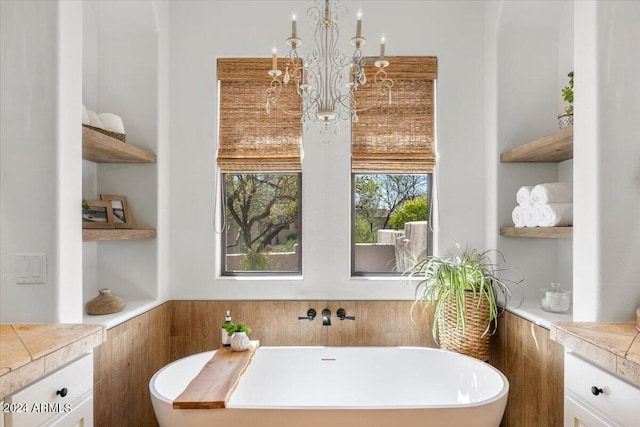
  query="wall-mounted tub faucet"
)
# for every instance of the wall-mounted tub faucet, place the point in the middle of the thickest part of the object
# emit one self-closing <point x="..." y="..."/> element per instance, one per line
<point x="326" y="317"/>
<point x="311" y="314"/>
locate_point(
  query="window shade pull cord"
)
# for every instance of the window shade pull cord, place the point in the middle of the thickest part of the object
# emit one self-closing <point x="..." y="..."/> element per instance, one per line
<point x="223" y="209"/>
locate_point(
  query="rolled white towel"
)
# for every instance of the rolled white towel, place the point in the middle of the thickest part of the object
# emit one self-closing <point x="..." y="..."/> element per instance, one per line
<point x="553" y="192"/>
<point x="85" y="116"/>
<point x="94" y="120"/>
<point x="517" y="215"/>
<point x="530" y="216"/>
<point x="554" y="215"/>
<point x="523" y="196"/>
<point x="524" y="216"/>
<point x="112" y="122"/>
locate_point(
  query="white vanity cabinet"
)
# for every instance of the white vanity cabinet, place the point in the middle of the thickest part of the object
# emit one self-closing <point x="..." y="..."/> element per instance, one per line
<point x="64" y="398"/>
<point x="596" y="398"/>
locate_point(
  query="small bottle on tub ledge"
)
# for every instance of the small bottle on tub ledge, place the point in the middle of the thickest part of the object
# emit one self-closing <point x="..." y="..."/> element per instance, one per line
<point x="226" y="339"/>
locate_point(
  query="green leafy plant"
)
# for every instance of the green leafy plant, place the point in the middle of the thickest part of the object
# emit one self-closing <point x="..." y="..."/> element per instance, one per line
<point x="232" y="328"/>
<point x="85" y="205"/>
<point x="456" y="278"/>
<point x="567" y="94"/>
<point x="411" y="210"/>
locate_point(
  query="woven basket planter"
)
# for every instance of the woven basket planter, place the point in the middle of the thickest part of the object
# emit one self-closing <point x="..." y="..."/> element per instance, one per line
<point x="471" y="342"/>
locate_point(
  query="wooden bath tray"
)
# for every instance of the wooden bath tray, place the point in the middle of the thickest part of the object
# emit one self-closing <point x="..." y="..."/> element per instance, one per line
<point x="213" y="386"/>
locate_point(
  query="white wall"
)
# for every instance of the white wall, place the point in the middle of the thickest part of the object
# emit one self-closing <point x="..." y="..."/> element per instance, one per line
<point x="204" y="31"/>
<point x="607" y="160"/>
<point x="39" y="188"/>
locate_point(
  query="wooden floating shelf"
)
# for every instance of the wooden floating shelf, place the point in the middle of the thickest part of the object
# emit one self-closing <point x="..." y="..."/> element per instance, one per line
<point x="544" y="232"/>
<point x="100" y="148"/>
<point x="90" y="234"/>
<point x="556" y="147"/>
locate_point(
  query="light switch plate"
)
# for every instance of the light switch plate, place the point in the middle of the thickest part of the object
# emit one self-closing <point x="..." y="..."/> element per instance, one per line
<point x="31" y="269"/>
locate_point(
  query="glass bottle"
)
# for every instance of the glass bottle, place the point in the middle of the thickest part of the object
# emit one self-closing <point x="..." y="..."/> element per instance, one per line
<point x="226" y="339"/>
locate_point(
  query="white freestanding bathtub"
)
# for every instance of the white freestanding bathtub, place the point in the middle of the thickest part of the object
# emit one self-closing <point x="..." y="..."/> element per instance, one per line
<point x="347" y="386"/>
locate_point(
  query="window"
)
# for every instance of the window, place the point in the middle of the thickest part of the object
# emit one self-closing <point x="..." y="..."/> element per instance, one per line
<point x="390" y="228"/>
<point x="262" y="230"/>
<point x="259" y="159"/>
<point x="393" y="157"/>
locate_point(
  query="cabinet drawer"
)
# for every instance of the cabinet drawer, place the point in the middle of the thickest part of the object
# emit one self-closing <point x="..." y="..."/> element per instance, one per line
<point x="618" y="400"/>
<point x="577" y="414"/>
<point x="39" y="401"/>
<point x="81" y="416"/>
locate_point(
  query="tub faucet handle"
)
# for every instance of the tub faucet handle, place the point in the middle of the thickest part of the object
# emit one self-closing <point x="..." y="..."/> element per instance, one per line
<point x="311" y="314"/>
<point x="342" y="314"/>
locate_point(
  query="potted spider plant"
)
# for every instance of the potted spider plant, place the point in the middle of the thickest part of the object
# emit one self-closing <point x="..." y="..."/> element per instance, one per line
<point x="464" y="290"/>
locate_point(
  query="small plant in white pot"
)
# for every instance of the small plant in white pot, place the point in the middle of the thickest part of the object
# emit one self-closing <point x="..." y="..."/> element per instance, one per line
<point x="464" y="291"/>
<point x="566" y="120"/>
<point x="239" y="334"/>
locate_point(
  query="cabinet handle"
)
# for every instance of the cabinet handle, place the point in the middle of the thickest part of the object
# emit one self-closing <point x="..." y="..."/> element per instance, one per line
<point x="596" y="391"/>
<point x="62" y="392"/>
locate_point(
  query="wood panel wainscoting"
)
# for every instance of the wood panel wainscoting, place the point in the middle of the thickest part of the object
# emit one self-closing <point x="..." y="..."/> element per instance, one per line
<point x="195" y="325"/>
<point x="136" y="349"/>
<point x="534" y="366"/>
<point x="123" y="366"/>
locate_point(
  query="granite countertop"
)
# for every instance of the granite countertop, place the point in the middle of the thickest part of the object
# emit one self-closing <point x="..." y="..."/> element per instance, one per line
<point x="613" y="346"/>
<point x="30" y="351"/>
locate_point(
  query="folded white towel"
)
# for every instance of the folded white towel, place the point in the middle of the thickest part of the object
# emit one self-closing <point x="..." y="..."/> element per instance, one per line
<point x="554" y="192"/>
<point x="554" y="215"/>
<point x="523" y="196"/>
<point x="94" y="120"/>
<point x="85" y="116"/>
<point x="112" y="122"/>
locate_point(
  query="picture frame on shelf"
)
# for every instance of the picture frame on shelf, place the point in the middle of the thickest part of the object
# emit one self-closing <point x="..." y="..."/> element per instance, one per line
<point x="97" y="214"/>
<point x="120" y="207"/>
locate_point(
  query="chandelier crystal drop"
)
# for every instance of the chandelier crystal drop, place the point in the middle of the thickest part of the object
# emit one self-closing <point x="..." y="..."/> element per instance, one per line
<point x="327" y="79"/>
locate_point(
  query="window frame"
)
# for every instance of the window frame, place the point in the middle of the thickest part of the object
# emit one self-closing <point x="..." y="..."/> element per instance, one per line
<point x="223" y="236"/>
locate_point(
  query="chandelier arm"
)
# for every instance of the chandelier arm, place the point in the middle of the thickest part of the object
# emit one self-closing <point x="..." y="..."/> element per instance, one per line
<point x="383" y="86"/>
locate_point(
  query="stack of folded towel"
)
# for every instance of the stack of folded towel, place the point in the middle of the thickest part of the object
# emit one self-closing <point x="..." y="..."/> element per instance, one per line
<point x="106" y="121"/>
<point x="545" y="205"/>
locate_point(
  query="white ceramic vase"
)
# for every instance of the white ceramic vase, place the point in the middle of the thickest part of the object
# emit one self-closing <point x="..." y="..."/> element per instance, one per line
<point x="240" y="341"/>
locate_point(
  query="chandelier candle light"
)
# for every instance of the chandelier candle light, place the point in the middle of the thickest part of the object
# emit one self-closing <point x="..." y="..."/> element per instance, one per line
<point x="320" y="79"/>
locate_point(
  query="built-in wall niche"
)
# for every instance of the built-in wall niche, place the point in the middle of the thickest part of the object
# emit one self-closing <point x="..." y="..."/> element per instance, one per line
<point x="120" y="76"/>
<point x="534" y="55"/>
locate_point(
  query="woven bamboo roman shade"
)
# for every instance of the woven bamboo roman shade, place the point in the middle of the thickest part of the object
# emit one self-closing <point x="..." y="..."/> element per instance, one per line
<point x="397" y="138"/>
<point x="250" y="139"/>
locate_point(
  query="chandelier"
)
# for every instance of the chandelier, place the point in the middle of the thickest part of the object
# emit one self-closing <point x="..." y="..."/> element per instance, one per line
<point x="326" y="80"/>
